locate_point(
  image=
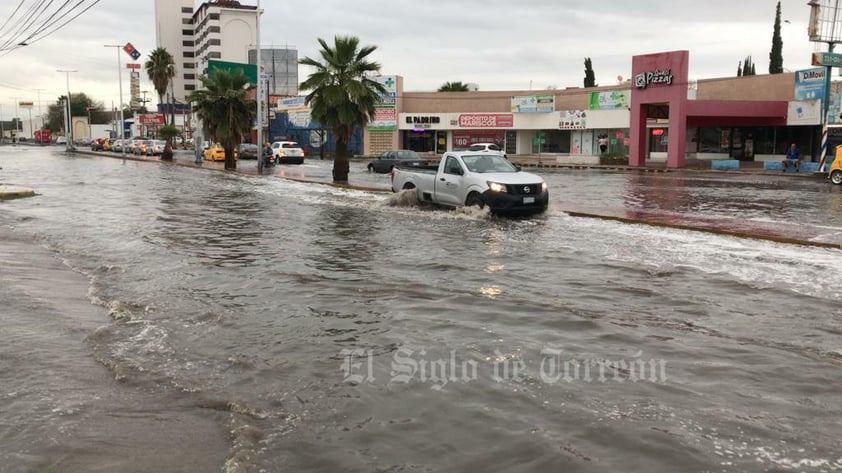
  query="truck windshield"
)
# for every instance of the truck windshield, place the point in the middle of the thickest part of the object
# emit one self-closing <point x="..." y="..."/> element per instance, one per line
<point x="483" y="163"/>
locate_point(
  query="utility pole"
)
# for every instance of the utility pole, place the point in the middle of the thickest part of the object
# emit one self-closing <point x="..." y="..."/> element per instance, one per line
<point x="122" y="131"/>
<point x="16" y="136"/>
<point x="69" y="111"/>
<point x="259" y="95"/>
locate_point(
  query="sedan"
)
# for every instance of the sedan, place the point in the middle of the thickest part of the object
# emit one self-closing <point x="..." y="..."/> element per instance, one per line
<point x="247" y="151"/>
<point x="401" y="157"/>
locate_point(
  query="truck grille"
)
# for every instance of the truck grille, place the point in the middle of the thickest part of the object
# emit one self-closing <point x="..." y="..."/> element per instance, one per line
<point x="523" y="189"/>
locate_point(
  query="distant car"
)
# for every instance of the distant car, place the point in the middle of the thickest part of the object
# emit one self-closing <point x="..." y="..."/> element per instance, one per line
<point x="287" y="152"/>
<point x="61" y="140"/>
<point x="400" y="157"/>
<point x="141" y="146"/>
<point x="488" y="148"/>
<point x="247" y="151"/>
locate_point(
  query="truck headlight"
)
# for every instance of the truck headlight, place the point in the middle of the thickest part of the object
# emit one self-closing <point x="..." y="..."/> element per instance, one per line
<point x="544" y="186"/>
<point x="496" y="187"/>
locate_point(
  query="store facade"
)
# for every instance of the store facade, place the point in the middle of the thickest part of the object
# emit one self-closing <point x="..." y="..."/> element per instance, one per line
<point x="659" y="115"/>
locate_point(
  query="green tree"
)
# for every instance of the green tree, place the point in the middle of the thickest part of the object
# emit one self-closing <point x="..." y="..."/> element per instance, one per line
<point x="79" y="105"/>
<point x="453" y="87"/>
<point x="225" y="110"/>
<point x="590" y="77"/>
<point x="739" y="69"/>
<point x="161" y="69"/>
<point x="167" y="132"/>
<point x="342" y="95"/>
<point x="776" y="58"/>
<point x="747" y="68"/>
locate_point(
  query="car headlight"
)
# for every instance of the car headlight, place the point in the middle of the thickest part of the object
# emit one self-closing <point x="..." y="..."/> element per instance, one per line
<point x="544" y="186"/>
<point x="496" y="187"/>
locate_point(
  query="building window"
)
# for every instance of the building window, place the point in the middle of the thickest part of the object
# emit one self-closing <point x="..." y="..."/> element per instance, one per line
<point x="189" y="65"/>
<point x="186" y="10"/>
<point x="214" y="55"/>
<point x="187" y="44"/>
<point x="187" y="32"/>
<point x="187" y="54"/>
<point x="189" y="87"/>
<point x="214" y="16"/>
<point x="189" y="76"/>
<point x="186" y="21"/>
<point x="214" y="42"/>
<point x="214" y="29"/>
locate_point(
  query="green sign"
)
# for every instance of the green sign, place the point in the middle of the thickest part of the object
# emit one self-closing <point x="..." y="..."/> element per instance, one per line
<point x="827" y="59"/>
<point x="250" y="70"/>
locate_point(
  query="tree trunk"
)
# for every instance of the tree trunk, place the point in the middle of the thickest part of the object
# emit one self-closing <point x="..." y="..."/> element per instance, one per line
<point x="341" y="166"/>
<point x="230" y="162"/>
<point x="167" y="154"/>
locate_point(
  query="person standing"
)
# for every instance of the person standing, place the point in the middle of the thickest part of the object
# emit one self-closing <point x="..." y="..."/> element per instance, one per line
<point x="603" y="143"/>
<point x="793" y="158"/>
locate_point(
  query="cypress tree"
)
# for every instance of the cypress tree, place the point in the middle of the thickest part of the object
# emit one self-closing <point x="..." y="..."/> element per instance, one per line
<point x="776" y="59"/>
<point x="590" y="78"/>
<point x="739" y="69"/>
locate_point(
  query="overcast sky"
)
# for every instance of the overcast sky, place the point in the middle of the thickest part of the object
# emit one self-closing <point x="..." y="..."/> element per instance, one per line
<point x="498" y="44"/>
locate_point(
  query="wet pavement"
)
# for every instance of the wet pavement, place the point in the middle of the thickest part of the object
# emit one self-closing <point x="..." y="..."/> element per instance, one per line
<point x="260" y="325"/>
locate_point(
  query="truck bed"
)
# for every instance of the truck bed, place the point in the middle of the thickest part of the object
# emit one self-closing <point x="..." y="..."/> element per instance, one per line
<point x="428" y="169"/>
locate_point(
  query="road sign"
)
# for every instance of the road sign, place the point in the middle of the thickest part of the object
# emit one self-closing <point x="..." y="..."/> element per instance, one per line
<point x="827" y="59"/>
<point x="250" y="70"/>
<point x="131" y="51"/>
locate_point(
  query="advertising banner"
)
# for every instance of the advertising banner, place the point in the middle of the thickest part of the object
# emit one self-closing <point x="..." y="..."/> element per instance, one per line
<point x="835" y="106"/>
<point x="533" y="104"/>
<point x="809" y="84"/>
<point x="611" y="100"/>
<point x="291" y="103"/>
<point x="385" y="114"/>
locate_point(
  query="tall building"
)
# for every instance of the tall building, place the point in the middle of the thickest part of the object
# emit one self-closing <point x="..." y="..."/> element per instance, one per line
<point x="281" y="67"/>
<point x="174" y="32"/>
<point x="224" y="30"/>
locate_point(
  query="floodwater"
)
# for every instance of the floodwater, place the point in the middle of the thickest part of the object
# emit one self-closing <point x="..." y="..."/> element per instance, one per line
<point x="159" y="318"/>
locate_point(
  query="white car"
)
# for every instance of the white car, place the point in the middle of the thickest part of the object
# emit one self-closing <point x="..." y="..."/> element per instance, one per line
<point x="487" y="148"/>
<point x="287" y="152"/>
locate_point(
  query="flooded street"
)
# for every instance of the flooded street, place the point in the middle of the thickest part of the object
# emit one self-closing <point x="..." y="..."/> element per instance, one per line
<point x="255" y="324"/>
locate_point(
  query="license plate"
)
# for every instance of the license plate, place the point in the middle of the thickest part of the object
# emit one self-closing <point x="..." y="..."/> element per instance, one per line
<point x="529" y="200"/>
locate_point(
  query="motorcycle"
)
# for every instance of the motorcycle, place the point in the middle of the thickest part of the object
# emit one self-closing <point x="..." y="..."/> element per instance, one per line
<point x="268" y="158"/>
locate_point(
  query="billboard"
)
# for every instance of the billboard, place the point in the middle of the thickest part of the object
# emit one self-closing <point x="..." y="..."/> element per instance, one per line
<point x="610" y="100"/>
<point x="533" y="104"/>
<point x="250" y="70"/>
<point x="385" y="114"/>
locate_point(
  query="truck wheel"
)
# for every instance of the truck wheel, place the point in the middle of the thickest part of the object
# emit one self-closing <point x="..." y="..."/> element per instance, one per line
<point x="836" y="177"/>
<point x="474" y="200"/>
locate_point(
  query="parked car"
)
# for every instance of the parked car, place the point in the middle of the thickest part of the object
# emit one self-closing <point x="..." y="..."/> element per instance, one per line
<point x="156" y="147"/>
<point x="287" y="152"/>
<point x="474" y="178"/>
<point x="247" y="151"/>
<point x="61" y="140"/>
<point x="400" y="157"/>
<point x="140" y="146"/>
<point x="98" y="144"/>
<point x="487" y="148"/>
<point x="217" y="153"/>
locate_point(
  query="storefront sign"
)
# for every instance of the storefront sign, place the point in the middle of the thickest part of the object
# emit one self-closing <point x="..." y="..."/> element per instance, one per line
<point x="132" y="66"/>
<point x="422" y="120"/>
<point x="533" y="104"/>
<point x="486" y="120"/>
<point x="809" y="84"/>
<point x="572" y="120"/>
<point x="463" y="139"/>
<point x="289" y="103"/>
<point x="645" y="79"/>
<point x="612" y="100"/>
<point x="151" y="119"/>
<point x="25" y="103"/>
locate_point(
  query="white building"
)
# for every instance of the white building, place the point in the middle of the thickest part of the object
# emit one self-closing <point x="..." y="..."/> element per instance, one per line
<point x="223" y="30"/>
<point x="174" y="32"/>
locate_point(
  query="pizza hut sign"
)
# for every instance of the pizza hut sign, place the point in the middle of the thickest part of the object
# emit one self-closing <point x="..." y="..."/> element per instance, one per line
<point x="645" y="79"/>
<point x="486" y="120"/>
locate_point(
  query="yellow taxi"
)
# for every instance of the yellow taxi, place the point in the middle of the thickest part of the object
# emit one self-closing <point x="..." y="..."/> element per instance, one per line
<point x="217" y="153"/>
<point x="835" y="171"/>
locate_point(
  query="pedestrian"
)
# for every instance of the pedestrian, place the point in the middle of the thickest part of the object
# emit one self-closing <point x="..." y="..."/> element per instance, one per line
<point x="793" y="158"/>
<point x="603" y="144"/>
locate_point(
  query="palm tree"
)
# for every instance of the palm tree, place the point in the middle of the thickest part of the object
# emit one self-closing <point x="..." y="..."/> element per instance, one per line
<point x="225" y="109"/>
<point x="343" y="94"/>
<point x="453" y="87"/>
<point x="161" y="69"/>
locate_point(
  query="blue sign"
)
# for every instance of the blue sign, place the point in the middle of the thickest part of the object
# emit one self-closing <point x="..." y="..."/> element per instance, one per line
<point x="810" y="83"/>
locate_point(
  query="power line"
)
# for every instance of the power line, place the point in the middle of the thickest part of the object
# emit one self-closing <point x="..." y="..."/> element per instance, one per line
<point x="31" y="30"/>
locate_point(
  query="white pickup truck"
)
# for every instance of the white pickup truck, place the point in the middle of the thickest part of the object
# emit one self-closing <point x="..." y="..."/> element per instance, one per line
<point x="469" y="178"/>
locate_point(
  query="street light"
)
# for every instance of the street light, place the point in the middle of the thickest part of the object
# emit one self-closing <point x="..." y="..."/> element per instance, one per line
<point x="120" y="81"/>
<point x="259" y="94"/>
<point x="69" y="111"/>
